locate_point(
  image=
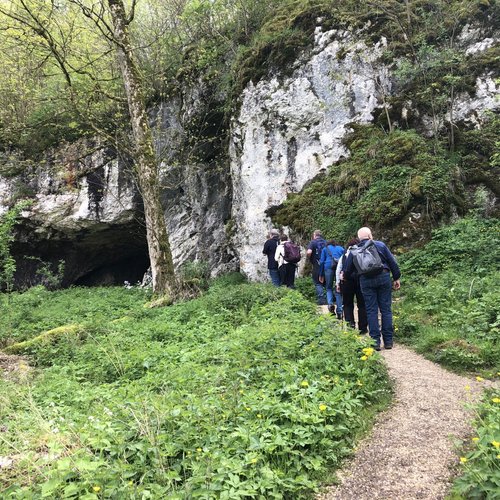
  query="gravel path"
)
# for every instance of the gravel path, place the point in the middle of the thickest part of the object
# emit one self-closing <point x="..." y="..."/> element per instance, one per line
<point x="411" y="453"/>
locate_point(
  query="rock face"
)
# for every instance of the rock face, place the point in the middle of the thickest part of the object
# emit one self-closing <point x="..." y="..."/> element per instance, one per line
<point x="87" y="209"/>
<point x="289" y="132"/>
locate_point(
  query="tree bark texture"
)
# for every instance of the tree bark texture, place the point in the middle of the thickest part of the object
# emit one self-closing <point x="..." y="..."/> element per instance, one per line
<point x="144" y="156"/>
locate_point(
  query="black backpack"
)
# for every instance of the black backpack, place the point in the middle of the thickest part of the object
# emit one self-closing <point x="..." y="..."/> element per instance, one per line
<point x="292" y="252"/>
<point x="318" y="248"/>
<point x="366" y="259"/>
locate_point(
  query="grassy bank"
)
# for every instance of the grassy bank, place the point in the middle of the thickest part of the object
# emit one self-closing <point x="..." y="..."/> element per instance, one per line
<point x="244" y="392"/>
<point x="451" y="306"/>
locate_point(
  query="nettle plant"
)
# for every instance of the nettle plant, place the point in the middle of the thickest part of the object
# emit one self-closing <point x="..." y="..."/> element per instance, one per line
<point x="7" y="261"/>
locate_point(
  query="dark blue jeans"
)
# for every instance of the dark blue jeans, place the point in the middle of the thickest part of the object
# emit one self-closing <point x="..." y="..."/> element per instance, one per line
<point x="377" y="293"/>
<point x="320" y="288"/>
<point x="275" y="276"/>
<point x="331" y="291"/>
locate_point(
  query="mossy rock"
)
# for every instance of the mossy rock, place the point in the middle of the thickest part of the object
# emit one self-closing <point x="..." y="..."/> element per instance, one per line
<point x="164" y="301"/>
<point x="73" y="332"/>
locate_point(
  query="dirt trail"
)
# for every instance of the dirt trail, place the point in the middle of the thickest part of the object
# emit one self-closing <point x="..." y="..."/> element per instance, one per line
<point x="411" y="453"/>
<point x="13" y="366"/>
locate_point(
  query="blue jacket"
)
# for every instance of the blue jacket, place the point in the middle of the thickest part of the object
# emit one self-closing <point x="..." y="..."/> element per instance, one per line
<point x="388" y="261"/>
<point x="327" y="253"/>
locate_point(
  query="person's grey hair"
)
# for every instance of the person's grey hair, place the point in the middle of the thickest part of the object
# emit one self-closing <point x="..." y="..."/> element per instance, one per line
<point x="317" y="233"/>
<point x="274" y="232"/>
<point x="365" y="233"/>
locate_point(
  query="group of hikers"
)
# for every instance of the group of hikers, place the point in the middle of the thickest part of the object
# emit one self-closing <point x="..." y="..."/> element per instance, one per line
<point x="362" y="271"/>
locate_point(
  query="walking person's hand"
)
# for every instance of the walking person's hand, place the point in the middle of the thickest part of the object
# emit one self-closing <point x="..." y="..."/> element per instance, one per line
<point x="396" y="285"/>
<point x="337" y="288"/>
<point x="321" y="279"/>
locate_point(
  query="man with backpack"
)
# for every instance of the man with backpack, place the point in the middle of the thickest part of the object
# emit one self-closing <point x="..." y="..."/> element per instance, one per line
<point x="287" y="256"/>
<point x="270" y="250"/>
<point x="374" y="263"/>
<point x="314" y="250"/>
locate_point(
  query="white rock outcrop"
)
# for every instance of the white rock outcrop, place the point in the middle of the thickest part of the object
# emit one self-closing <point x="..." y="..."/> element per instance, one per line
<point x="288" y="132"/>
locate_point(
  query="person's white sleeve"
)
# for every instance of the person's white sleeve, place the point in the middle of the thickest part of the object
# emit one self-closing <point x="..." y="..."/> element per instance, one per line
<point x="278" y="256"/>
<point x="337" y="271"/>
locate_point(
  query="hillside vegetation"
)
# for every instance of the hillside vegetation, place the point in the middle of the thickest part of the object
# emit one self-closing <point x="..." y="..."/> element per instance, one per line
<point x="244" y="392"/>
<point x="451" y="306"/>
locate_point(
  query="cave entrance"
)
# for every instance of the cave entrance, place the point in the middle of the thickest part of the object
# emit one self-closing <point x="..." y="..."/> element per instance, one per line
<point x="130" y="269"/>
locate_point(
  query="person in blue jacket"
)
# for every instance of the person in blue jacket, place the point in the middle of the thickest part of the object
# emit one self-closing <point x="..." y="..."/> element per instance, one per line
<point x="377" y="289"/>
<point x="330" y="256"/>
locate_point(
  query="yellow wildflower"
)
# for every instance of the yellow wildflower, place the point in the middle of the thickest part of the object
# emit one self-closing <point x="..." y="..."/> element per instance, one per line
<point x="496" y="444"/>
<point x="475" y="439"/>
<point x="304" y="383"/>
<point x="199" y="450"/>
<point x="359" y="383"/>
<point x="247" y="408"/>
<point x="479" y="379"/>
<point x="363" y="358"/>
<point x="254" y="460"/>
<point x="97" y="489"/>
<point x="259" y="415"/>
<point x="467" y="387"/>
<point x="498" y="456"/>
<point x="322" y="407"/>
<point x="496" y="400"/>
<point x="463" y="460"/>
<point x="368" y="351"/>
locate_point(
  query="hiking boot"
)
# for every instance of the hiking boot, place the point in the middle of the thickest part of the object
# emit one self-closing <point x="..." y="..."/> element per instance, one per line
<point x="377" y="347"/>
<point x="388" y="346"/>
<point x="331" y="308"/>
<point x="352" y="325"/>
<point x="363" y="332"/>
<point x="339" y="316"/>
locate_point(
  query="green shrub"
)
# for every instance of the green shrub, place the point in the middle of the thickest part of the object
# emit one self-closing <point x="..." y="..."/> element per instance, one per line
<point x="450" y="309"/>
<point x="465" y="246"/>
<point x="480" y="461"/>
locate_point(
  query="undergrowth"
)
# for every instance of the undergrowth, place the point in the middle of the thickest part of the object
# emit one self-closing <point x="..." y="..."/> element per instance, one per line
<point x="480" y="462"/>
<point x="243" y="393"/>
<point x="450" y="311"/>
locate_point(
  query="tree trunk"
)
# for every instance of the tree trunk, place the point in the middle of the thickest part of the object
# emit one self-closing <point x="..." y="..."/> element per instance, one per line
<point x="144" y="156"/>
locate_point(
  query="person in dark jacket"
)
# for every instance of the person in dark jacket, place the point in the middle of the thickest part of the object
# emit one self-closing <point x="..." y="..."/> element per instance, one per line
<point x="351" y="288"/>
<point x="270" y="250"/>
<point x="330" y="256"/>
<point x="377" y="289"/>
<point x="314" y="253"/>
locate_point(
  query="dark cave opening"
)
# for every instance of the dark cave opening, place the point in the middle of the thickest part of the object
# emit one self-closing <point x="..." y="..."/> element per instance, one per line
<point x="130" y="269"/>
<point x="105" y="257"/>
